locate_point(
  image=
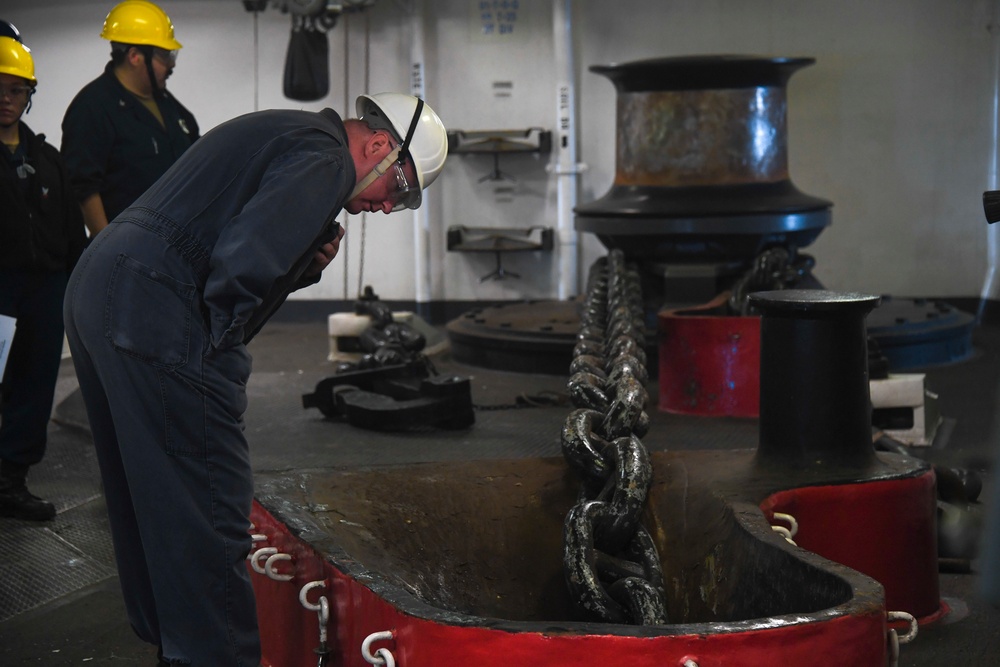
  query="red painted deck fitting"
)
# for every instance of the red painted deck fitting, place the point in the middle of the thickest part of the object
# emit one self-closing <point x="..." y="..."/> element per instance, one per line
<point x="709" y="364"/>
<point x="289" y="632"/>
<point x="886" y="529"/>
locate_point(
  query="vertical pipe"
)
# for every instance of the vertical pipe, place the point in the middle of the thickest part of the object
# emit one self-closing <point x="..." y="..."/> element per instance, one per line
<point x="566" y="168"/>
<point x="421" y="220"/>
<point x="991" y="285"/>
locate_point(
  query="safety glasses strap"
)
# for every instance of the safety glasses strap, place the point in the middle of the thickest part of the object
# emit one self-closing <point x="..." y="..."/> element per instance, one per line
<point x="379" y="169"/>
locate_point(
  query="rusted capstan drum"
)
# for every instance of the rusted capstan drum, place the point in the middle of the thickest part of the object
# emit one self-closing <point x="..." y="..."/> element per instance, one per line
<point x="701" y="153"/>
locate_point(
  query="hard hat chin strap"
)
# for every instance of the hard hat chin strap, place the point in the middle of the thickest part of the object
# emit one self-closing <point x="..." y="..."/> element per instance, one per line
<point x="413" y="125"/>
<point x="375" y="173"/>
<point x="147" y="52"/>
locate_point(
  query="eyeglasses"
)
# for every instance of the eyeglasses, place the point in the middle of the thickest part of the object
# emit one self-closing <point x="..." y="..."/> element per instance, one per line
<point x="168" y="58"/>
<point x="405" y="195"/>
<point x="16" y="92"/>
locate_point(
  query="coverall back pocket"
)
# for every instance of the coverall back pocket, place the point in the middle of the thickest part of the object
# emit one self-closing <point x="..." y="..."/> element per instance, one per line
<point x="148" y="314"/>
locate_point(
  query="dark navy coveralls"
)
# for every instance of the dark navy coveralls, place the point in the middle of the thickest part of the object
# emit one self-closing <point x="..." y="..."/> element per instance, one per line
<point x="158" y="312"/>
<point x="41" y="237"/>
<point x="114" y="146"/>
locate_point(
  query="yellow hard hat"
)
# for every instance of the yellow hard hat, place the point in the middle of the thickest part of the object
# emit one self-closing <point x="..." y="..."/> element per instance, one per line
<point x="15" y="58"/>
<point x="140" y="22"/>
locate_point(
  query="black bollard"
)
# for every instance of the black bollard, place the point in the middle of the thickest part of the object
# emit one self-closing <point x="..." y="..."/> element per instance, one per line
<point x="815" y="401"/>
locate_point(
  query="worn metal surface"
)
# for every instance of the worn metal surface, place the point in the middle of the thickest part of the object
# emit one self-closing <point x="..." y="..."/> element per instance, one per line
<point x="533" y="336"/>
<point x="484" y="538"/>
<point x="709" y="361"/>
<point x="701" y="167"/>
<point x="704" y="137"/>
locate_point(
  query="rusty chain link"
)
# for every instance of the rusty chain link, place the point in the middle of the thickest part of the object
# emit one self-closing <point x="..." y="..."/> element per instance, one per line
<point x="612" y="566"/>
<point x="776" y="268"/>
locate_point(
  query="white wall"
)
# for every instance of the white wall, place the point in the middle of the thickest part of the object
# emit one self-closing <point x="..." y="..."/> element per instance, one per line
<point x="893" y="123"/>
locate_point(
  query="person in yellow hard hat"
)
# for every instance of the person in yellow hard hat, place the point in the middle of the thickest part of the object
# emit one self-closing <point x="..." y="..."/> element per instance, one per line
<point x="123" y="130"/>
<point x="41" y="237"/>
<point x="159" y="312"/>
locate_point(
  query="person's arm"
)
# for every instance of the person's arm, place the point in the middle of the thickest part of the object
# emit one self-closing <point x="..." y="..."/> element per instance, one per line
<point x="263" y="251"/>
<point x="88" y="136"/>
<point x="94" y="217"/>
<point x="325" y="255"/>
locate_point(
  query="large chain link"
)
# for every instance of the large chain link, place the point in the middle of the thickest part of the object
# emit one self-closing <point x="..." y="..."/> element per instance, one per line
<point x="776" y="268"/>
<point x="612" y="566"/>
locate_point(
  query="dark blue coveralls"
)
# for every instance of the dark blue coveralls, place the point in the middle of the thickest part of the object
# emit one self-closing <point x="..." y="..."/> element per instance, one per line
<point x="158" y="313"/>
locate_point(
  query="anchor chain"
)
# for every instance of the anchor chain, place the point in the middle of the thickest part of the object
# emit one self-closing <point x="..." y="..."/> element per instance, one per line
<point x="776" y="268"/>
<point x="612" y="566"/>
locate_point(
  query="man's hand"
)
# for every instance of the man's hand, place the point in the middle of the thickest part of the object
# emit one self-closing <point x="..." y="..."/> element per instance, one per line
<point x="325" y="254"/>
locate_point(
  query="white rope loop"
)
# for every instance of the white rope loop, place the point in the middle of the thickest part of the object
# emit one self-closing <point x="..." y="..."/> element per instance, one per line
<point x="257" y="555"/>
<point x="304" y="592"/>
<point x="893" y="648"/>
<point x="793" y="525"/>
<point x="254" y="539"/>
<point x="894" y="639"/>
<point x="324" y="618"/>
<point x="785" y="533"/>
<point x="903" y="616"/>
<point x="382" y="656"/>
<point x="269" y="567"/>
<point x="386" y="657"/>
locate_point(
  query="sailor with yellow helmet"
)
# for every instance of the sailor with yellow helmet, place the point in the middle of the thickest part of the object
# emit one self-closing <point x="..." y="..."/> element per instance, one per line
<point x="41" y="237"/>
<point x="124" y="129"/>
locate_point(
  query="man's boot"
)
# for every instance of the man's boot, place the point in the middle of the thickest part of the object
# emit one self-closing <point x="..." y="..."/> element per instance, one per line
<point x="15" y="500"/>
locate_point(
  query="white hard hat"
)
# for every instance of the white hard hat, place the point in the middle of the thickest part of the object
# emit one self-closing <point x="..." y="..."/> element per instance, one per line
<point x="419" y="130"/>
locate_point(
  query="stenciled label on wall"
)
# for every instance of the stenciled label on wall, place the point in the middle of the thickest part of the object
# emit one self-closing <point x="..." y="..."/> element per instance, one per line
<point x="497" y="20"/>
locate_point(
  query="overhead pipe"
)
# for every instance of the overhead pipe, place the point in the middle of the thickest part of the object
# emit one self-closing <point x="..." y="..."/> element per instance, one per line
<point x="566" y="168"/>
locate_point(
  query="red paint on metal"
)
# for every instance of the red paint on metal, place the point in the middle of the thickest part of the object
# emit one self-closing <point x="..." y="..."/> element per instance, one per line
<point x="289" y="633"/>
<point x="709" y="363"/>
<point x="886" y="529"/>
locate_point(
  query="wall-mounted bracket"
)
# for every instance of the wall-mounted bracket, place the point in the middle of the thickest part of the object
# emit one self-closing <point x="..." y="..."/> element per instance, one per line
<point x="496" y="142"/>
<point x="499" y="240"/>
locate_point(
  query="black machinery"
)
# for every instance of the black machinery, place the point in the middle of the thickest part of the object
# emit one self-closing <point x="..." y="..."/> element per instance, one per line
<point x="703" y="203"/>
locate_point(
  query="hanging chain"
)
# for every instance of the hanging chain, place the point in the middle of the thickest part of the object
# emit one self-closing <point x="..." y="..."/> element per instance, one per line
<point x="361" y="261"/>
<point x="612" y="566"/>
<point x="345" y="242"/>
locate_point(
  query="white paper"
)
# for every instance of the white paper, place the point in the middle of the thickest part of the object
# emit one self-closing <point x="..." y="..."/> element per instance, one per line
<point x="7" y="326"/>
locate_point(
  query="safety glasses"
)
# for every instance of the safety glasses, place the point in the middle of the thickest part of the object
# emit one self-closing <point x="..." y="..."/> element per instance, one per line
<point x="405" y="195"/>
<point x="168" y="58"/>
<point x="16" y="92"/>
